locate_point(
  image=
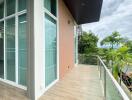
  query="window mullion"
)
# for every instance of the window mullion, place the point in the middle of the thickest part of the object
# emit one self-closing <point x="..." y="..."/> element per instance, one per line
<point x="50" y="14"/>
<point x="16" y="40"/>
<point x="5" y="72"/>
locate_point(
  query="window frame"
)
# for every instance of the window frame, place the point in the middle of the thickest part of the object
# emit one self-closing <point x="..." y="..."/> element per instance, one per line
<point x="5" y="17"/>
<point x="56" y="18"/>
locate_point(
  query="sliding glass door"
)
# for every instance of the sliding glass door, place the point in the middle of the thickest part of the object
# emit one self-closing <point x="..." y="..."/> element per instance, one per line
<point x="13" y="41"/>
<point x="50" y="50"/>
<point x="50" y="41"/>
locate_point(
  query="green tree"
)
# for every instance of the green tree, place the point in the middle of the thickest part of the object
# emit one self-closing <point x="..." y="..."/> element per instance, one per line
<point x="120" y="58"/>
<point x="128" y="43"/>
<point x="87" y="43"/>
<point x="124" y="59"/>
<point x="114" y="39"/>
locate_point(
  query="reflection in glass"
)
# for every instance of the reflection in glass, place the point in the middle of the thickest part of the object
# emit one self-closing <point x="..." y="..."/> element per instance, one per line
<point x="10" y="7"/>
<point x="1" y="49"/>
<point x="50" y="5"/>
<point x="21" y="5"/>
<point x="1" y="9"/>
<point x="22" y="50"/>
<point x="10" y="48"/>
<point x="50" y="52"/>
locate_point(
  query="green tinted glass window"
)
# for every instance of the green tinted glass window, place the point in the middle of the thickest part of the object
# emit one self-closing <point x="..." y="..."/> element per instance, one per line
<point x="1" y="9"/>
<point x="10" y="49"/>
<point x="50" y="5"/>
<point x="10" y="7"/>
<point x="22" y="50"/>
<point x="50" y="50"/>
<point x="21" y="5"/>
<point x="1" y="49"/>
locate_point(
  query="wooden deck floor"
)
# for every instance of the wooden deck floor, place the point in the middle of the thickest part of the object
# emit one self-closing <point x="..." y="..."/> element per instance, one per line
<point x="8" y="92"/>
<point x="82" y="83"/>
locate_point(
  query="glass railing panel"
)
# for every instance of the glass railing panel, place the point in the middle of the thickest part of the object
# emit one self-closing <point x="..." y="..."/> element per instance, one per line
<point x="111" y="91"/>
<point x="87" y="59"/>
<point x="111" y="88"/>
<point x="102" y="73"/>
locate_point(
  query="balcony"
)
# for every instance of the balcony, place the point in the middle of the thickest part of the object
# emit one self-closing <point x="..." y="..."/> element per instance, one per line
<point x="84" y="82"/>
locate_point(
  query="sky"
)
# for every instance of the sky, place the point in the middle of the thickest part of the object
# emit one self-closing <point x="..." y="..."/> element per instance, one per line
<point x="116" y="15"/>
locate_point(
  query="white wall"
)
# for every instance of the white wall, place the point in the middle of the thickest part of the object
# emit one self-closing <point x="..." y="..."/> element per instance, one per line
<point x="36" y="43"/>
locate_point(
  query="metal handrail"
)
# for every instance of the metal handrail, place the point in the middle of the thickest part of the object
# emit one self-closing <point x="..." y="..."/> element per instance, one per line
<point x="120" y="90"/>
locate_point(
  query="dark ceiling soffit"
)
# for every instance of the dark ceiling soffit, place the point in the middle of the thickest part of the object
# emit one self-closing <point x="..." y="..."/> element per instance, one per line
<point x="85" y="11"/>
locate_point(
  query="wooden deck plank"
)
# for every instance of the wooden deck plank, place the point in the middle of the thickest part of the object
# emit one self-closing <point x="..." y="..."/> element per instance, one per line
<point x="8" y="92"/>
<point x="82" y="83"/>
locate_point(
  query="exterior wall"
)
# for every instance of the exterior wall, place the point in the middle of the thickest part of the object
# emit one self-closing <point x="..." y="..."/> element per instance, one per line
<point x="35" y="35"/>
<point x="66" y="41"/>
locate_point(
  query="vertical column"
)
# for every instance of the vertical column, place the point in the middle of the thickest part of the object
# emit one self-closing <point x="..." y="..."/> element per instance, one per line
<point x="30" y="50"/>
<point x="77" y="32"/>
<point x="77" y="48"/>
<point x="35" y="48"/>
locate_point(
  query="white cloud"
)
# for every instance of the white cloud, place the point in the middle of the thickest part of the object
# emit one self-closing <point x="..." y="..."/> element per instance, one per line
<point x="116" y="16"/>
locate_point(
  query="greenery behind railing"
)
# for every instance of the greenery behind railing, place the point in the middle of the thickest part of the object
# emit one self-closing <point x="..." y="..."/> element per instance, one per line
<point x="87" y="59"/>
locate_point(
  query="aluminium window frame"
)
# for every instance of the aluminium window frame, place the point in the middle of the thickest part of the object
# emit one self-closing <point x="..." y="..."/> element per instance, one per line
<point x="4" y="19"/>
<point x="18" y="13"/>
<point x="56" y="18"/>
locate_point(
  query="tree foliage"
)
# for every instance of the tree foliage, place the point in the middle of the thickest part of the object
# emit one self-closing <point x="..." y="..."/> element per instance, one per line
<point x="87" y="43"/>
<point x="114" y="39"/>
<point x="128" y="43"/>
<point x="115" y="58"/>
<point x="120" y="57"/>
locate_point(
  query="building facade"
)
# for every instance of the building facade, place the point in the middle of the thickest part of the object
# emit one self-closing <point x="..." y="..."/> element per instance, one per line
<point x="38" y="43"/>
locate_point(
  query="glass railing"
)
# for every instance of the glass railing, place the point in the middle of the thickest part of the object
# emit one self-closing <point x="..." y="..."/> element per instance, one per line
<point x="112" y="90"/>
<point x="87" y="59"/>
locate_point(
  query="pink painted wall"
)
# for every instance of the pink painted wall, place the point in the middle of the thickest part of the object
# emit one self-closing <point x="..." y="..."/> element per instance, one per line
<point x="66" y="31"/>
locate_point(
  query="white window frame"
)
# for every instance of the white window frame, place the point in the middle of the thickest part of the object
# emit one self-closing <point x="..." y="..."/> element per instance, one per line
<point x="15" y="15"/>
<point x="56" y="18"/>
